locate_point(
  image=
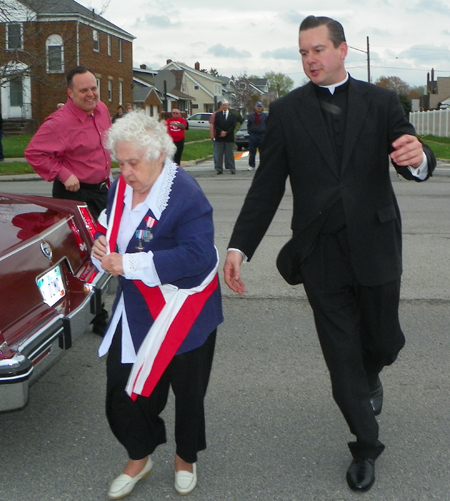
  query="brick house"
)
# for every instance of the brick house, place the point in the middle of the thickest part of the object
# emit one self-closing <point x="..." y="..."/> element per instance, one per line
<point x="43" y="40"/>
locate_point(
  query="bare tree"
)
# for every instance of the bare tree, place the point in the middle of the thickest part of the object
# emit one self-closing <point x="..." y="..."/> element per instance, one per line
<point x="244" y="97"/>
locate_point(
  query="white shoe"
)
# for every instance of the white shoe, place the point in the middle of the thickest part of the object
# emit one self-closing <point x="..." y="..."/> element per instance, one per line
<point x="124" y="484"/>
<point x="185" y="481"/>
<point x="250" y="168"/>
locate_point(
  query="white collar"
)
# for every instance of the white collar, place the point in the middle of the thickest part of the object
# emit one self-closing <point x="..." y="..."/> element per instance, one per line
<point x="159" y="195"/>
<point x="332" y="87"/>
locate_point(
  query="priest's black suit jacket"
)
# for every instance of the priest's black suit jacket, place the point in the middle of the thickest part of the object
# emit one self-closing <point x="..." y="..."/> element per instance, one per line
<point x="297" y="146"/>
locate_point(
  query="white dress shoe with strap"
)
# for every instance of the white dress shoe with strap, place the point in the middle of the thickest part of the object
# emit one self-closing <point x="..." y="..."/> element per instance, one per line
<point x="124" y="484"/>
<point x="185" y="481"/>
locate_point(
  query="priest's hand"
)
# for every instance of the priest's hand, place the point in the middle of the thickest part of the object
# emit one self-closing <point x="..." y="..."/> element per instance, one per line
<point x="231" y="270"/>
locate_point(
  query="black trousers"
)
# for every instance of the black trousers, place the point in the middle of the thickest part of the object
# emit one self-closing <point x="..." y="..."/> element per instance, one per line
<point x="359" y="333"/>
<point x="94" y="198"/>
<point x="138" y="425"/>
<point x="178" y="153"/>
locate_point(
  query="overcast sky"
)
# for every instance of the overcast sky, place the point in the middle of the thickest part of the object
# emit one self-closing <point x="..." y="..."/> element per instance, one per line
<point x="406" y="37"/>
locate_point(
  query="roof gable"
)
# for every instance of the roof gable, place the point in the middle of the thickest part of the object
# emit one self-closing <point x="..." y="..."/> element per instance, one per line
<point x="48" y="9"/>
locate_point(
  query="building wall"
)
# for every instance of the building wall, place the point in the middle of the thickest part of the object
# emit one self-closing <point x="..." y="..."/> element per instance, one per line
<point x="47" y="90"/>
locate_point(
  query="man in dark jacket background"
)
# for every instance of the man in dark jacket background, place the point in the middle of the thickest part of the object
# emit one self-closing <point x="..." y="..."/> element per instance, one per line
<point x="224" y="124"/>
<point x="256" y="126"/>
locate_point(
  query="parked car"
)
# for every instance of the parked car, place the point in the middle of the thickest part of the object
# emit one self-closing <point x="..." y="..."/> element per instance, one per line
<point x="199" y="121"/>
<point x="49" y="289"/>
<point x="241" y="136"/>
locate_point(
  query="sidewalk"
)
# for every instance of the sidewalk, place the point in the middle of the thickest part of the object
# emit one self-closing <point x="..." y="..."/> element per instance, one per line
<point x="191" y="166"/>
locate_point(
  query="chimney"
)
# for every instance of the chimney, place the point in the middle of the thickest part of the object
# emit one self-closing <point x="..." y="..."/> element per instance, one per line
<point x="197" y="66"/>
<point x="168" y="61"/>
<point x="143" y="66"/>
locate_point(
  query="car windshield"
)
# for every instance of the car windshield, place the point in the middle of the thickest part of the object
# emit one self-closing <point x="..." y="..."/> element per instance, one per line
<point x="243" y="126"/>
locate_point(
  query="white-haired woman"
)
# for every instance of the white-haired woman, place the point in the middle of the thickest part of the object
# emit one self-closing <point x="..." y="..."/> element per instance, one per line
<point x="159" y="242"/>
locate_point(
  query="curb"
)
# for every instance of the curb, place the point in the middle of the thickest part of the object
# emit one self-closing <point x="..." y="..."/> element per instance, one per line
<point x="115" y="170"/>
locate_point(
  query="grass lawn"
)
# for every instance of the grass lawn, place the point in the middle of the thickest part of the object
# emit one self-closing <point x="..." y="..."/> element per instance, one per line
<point x="197" y="145"/>
<point x="439" y="145"/>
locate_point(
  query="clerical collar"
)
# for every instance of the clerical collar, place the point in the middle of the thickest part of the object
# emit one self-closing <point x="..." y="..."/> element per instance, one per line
<point x="332" y="88"/>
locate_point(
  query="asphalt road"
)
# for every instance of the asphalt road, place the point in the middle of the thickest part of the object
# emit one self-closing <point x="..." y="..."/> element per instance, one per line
<point x="274" y="432"/>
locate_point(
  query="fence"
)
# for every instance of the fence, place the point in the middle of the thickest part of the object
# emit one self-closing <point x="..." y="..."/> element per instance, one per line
<point x="433" y="122"/>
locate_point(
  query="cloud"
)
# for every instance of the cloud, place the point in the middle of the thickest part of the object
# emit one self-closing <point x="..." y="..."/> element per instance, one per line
<point x="292" y="16"/>
<point x="220" y="50"/>
<point x="159" y="21"/>
<point x="434" y="6"/>
<point x="283" y="53"/>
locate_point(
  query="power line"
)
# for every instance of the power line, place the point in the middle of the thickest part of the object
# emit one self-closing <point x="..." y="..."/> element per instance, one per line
<point x="411" y="48"/>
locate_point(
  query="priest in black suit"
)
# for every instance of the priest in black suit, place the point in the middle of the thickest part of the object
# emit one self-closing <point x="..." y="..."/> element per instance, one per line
<point x="333" y="138"/>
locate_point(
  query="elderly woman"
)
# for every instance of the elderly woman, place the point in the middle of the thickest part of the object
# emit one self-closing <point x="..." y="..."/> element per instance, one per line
<point x="159" y="243"/>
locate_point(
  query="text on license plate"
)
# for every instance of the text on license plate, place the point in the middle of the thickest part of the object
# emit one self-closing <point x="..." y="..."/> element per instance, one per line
<point x="51" y="286"/>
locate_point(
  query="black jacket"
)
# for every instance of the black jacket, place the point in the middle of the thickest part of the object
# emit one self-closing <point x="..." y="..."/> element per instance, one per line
<point x="297" y="146"/>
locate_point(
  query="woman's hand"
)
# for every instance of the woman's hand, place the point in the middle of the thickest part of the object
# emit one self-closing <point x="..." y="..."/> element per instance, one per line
<point x="100" y="248"/>
<point x="112" y="263"/>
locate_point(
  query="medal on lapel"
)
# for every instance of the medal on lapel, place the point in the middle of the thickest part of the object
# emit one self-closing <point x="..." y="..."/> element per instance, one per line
<point x="145" y="235"/>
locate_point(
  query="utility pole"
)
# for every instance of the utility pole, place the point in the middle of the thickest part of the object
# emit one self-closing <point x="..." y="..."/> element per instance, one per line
<point x="368" y="57"/>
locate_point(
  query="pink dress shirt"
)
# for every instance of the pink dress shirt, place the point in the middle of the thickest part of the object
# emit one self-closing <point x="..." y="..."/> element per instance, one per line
<point x="71" y="142"/>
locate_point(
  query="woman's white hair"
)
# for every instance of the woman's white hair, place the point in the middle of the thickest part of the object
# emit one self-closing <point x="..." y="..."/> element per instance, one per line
<point x="146" y="132"/>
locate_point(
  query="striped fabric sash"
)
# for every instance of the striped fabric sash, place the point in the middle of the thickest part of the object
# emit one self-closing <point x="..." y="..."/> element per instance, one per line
<point x="174" y="312"/>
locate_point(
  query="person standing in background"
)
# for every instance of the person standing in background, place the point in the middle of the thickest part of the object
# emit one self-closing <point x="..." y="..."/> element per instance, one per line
<point x="256" y="126"/>
<point x="212" y="132"/>
<point x="119" y="114"/>
<point x="176" y="126"/>
<point x="224" y="124"/>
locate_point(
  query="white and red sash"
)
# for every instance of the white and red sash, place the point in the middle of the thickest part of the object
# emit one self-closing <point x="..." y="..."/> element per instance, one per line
<point x="173" y="310"/>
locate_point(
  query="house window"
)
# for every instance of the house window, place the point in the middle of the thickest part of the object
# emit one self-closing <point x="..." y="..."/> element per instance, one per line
<point x="55" y="54"/>
<point x="120" y="92"/>
<point x="195" y="87"/>
<point x="120" y="50"/>
<point x="110" y="90"/>
<point x="16" y="92"/>
<point x="194" y="106"/>
<point x="96" y="40"/>
<point x="98" y="86"/>
<point x="109" y="45"/>
<point x="14" y="36"/>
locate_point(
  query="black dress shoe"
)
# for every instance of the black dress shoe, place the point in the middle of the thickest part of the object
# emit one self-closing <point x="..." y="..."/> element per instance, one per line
<point x="376" y="398"/>
<point x="361" y="474"/>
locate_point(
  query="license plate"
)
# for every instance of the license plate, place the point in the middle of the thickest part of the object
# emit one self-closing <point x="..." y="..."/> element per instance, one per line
<point x="51" y="286"/>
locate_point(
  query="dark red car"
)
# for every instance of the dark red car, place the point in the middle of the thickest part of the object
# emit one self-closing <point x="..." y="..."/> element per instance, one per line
<point x="49" y="289"/>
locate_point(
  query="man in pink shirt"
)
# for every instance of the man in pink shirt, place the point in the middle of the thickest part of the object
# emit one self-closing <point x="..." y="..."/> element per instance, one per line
<point x="68" y="147"/>
<point x="68" y="150"/>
